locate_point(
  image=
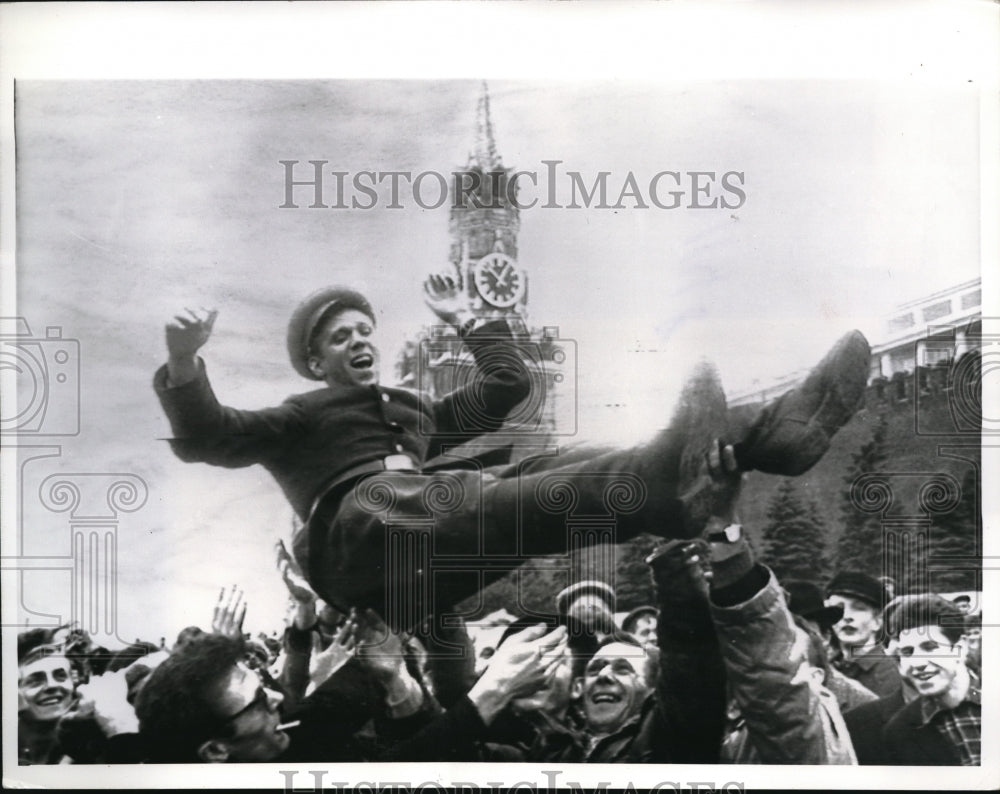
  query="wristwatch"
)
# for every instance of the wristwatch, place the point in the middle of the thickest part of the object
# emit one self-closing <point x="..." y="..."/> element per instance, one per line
<point x="730" y="534"/>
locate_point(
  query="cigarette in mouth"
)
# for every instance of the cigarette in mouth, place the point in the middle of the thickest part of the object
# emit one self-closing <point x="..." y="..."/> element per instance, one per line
<point x="285" y="726"/>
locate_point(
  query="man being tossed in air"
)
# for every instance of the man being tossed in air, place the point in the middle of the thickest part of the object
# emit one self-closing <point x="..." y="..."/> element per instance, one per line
<point x="349" y="456"/>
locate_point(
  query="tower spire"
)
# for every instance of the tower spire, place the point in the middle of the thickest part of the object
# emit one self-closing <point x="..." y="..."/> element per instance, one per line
<point x="485" y="154"/>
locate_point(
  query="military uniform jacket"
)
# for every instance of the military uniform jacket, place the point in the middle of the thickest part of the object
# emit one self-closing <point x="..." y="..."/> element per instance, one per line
<point x="311" y="438"/>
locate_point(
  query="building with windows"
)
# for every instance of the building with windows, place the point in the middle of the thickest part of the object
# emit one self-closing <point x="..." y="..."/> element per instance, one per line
<point x="934" y="330"/>
<point x="923" y="339"/>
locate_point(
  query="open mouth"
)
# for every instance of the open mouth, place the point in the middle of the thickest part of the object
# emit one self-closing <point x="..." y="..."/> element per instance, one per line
<point x="51" y="700"/>
<point x="605" y="697"/>
<point x="363" y="361"/>
<point x="925" y="676"/>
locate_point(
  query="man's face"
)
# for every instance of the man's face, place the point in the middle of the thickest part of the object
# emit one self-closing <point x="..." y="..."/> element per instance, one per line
<point x="46" y="687"/>
<point x="253" y="716"/>
<point x="644" y="629"/>
<point x="342" y="351"/>
<point x="614" y="686"/>
<point x="592" y="611"/>
<point x="927" y="659"/>
<point x="553" y="698"/>
<point x="860" y="623"/>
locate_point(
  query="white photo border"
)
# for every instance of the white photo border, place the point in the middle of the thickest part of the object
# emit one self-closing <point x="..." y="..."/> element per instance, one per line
<point x="934" y="43"/>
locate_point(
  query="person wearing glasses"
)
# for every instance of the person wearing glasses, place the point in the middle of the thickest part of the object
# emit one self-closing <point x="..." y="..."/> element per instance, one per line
<point x="204" y="704"/>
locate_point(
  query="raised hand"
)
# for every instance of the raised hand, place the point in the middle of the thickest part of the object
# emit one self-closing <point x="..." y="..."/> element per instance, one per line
<point x="328" y="661"/>
<point x="443" y="294"/>
<point x="228" y="615"/>
<point x="185" y="336"/>
<point x="523" y="664"/>
<point x="727" y="480"/>
<point x="291" y="575"/>
<point x="682" y="569"/>
<point x="187" y="333"/>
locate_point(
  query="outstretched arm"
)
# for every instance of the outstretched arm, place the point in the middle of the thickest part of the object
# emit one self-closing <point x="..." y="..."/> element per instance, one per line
<point x="298" y="639"/>
<point x="298" y="588"/>
<point x="691" y="685"/>
<point x="764" y="653"/>
<point x="203" y="429"/>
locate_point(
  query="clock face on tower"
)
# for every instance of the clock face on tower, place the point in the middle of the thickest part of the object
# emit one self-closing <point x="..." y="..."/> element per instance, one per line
<point x="499" y="280"/>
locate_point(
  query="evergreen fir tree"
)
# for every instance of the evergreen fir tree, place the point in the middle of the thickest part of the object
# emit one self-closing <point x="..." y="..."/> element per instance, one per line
<point x="954" y="539"/>
<point x="860" y="546"/>
<point x="794" y="543"/>
<point x="820" y="522"/>
<point x="633" y="583"/>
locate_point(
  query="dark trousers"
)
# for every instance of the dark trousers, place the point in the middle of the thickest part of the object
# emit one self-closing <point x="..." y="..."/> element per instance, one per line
<point x="411" y="545"/>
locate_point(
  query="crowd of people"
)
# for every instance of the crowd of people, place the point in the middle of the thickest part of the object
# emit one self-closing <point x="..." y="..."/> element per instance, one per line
<point x="729" y="666"/>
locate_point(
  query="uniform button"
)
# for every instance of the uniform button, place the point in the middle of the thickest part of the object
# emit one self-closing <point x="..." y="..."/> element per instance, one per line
<point x="399" y="447"/>
<point x="385" y="397"/>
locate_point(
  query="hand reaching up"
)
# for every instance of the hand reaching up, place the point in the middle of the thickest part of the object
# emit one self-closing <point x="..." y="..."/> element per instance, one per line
<point x="681" y="569"/>
<point x="443" y="294"/>
<point x="328" y="661"/>
<point x="727" y="481"/>
<point x="188" y="332"/>
<point x="185" y="337"/>
<point x="228" y="615"/>
<point x="291" y="575"/>
<point x="524" y="663"/>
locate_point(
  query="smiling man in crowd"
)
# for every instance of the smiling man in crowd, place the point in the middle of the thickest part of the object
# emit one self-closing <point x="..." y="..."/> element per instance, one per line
<point x="640" y="706"/>
<point x="942" y="726"/>
<point x="45" y="694"/>
<point x="615" y="685"/>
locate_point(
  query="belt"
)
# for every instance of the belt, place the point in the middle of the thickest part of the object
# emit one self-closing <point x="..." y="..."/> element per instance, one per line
<point x="337" y="485"/>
